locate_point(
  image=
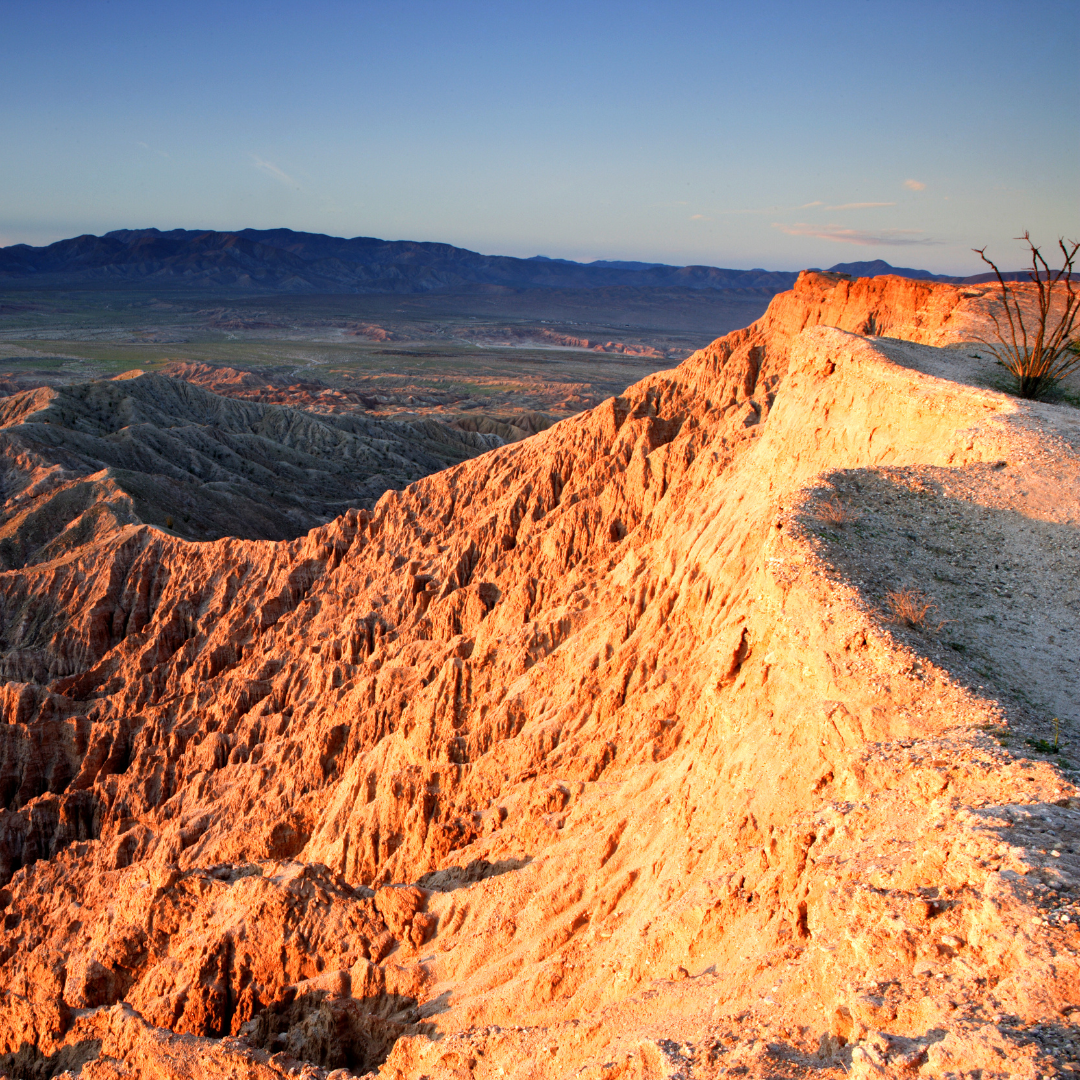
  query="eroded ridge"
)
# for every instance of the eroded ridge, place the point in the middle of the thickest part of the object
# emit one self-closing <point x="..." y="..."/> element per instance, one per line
<point x="591" y="756"/>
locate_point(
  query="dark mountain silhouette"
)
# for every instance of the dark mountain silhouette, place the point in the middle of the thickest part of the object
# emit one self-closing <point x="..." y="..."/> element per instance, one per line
<point x="879" y="268"/>
<point x="280" y="260"/>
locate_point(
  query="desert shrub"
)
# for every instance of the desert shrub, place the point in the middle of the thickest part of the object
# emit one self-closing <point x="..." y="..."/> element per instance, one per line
<point x="910" y="607"/>
<point x="1044" y="746"/>
<point x="1038" y="356"/>
<point x="834" y="512"/>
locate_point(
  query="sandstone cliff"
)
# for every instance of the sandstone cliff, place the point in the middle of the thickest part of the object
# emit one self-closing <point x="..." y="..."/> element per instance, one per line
<point x="597" y="756"/>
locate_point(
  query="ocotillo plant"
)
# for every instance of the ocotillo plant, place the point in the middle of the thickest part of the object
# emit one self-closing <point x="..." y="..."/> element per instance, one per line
<point x="1040" y="355"/>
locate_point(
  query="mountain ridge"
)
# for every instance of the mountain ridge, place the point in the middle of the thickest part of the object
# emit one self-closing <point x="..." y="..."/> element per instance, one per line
<point x="282" y="260"/>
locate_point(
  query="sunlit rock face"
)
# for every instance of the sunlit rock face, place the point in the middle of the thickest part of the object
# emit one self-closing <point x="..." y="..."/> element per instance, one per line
<point x="602" y="754"/>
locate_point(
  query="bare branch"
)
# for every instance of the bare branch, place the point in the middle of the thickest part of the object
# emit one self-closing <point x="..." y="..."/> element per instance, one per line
<point x="1049" y="356"/>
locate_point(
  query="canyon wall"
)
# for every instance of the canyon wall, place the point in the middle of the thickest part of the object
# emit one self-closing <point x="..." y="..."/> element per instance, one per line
<point x="583" y="757"/>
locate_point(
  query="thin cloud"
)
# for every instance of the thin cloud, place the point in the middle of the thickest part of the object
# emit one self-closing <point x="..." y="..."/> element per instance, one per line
<point x="803" y="206"/>
<point x="145" y="146"/>
<point x="278" y="174"/>
<point x="770" y="209"/>
<point x="839" y="235"/>
<point x="699" y="217"/>
<point x="914" y="185"/>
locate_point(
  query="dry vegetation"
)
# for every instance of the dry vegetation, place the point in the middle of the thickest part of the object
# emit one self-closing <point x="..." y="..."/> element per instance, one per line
<point x="910" y="607"/>
<point x="1037" y="349"/>
<point x="833" y="512"/>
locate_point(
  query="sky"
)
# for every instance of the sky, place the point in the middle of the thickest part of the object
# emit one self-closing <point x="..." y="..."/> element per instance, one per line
<point x="767" y="134"/>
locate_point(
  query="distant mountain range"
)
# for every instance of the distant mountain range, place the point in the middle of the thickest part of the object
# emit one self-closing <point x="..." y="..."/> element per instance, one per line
<point x="880" y="268"/>
<point x="280" y="260"/>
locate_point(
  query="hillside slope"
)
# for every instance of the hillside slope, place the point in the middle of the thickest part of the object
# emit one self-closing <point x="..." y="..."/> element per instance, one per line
<point x="596" y="756"/>
<point x="84" y="461"/>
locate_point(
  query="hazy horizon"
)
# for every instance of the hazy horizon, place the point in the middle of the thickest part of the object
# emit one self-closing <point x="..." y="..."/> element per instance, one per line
<point x="773" y="136"/>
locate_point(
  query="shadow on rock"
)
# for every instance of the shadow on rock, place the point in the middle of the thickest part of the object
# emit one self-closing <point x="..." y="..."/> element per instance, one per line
<point x="457" y="877"/>
<point x="337" y="1031"/>
<point x="28" y="1063"/>
<point x="985" y="591"/>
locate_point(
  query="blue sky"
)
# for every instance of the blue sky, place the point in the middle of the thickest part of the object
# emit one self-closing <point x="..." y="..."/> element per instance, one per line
<point x="774" y="134"/>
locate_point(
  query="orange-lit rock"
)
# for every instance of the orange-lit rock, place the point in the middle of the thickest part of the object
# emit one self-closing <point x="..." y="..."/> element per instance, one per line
<point x="580" y="758"/>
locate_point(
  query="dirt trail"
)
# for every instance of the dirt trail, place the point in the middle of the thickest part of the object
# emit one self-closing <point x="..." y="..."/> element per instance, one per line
<point x="596" y="756"/>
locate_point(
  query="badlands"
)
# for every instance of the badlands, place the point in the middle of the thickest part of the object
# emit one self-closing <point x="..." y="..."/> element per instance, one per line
<point x="605" y="754"/>
<point x="81" y="460"/>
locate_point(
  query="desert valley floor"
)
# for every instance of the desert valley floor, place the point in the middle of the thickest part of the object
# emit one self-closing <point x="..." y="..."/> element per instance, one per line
<point x="724" y="725"/>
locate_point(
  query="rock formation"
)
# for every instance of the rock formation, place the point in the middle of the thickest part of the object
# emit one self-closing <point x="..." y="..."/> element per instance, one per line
<point x="595" y="756"/>
<point x="323" y="400"/>
<point x="88" y="460"/>
<point x="515" y="335"/>
<point x="271" y="389"/>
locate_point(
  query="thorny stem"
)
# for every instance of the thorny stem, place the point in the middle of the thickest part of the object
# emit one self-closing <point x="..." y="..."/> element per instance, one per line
<point x="1049" y="359"/>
